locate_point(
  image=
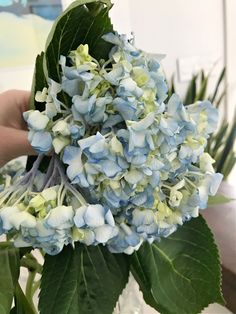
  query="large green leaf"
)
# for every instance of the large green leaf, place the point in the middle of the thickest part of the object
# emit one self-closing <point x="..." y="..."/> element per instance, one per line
<point x="9" y="274"/>
<point x="84" y="22"/>
<point x="181" y="274"/>
<point x="84" y="280"/>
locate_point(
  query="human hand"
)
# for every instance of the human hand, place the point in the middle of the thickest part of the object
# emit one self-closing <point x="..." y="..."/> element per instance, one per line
<point x="13" y="130"/>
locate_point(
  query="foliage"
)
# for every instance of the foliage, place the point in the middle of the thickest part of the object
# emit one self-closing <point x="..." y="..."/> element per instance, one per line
<point x="83" y="280"/>
<point x="9" y="274"/>
<point x="181" y="274"/>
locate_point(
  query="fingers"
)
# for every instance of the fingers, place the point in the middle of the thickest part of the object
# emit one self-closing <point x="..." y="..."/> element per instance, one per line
<point x="13" y="143"/>
<point x="19" y="97"/>
<point x="23" y="99"/>
<point x="13" y="137"/>
<point x="12" y="105"/>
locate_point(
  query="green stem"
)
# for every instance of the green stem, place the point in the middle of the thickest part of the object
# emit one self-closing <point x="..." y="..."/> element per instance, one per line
<point x="5" y="244"/>
<point x="29" y="289"/>
<point x="21" y="299"/>
<point x="22" y="196"/>
<point x="59" y="194"/>
<point x="5" y="197"/>
<point x="63" y="194"/>
<point x="36" y="286"/>
<point x="31" y="264"/>
<point x="42" y="253"/>
<point x="191" y="183"/>
<point x="166" y="186"/>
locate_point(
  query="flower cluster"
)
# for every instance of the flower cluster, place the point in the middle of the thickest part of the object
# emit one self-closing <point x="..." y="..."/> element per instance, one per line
<point x="135" y="161"/>
<point x="33" y="212"/>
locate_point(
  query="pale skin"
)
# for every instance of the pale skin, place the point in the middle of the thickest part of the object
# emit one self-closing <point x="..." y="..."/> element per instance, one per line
<point x="13" y="130"/>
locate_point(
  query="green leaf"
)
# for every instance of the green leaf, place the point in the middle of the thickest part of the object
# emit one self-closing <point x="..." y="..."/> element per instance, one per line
<point x="172" y="86"/>
<point x="221" y="97"/>
<point x="202" y="76"/>
<point x="9" y="274"/>
<point x="218" y="199"/>
<point x="22" y="305"/>
<point x="84" y="22"/>
<point x="14" y="311"/>
<point x="181" y="274"/>
<point x="220" y="79"/>
<point x="201" y="94"/>
<point x="228" y="147"/>
<point x="39" y="82"/>
<point x="229" y="164"/>
<point x="81" y="23"/>
<point x="84" y="280"/>
<point x="191" y="91"/>
<point x="219" y="138"/>
<point x="24" y="250"/>
<point x="143" y="279"/>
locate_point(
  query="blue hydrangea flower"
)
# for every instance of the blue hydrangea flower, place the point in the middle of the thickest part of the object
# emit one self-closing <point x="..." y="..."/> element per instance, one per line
<point x="75" y="171"/>
<point x="135" y="162"/>
<point x="36" y="120"/>
<point x="40" y="141"/>
<point x="209" y="186"/>
<point x="97" y="220"/>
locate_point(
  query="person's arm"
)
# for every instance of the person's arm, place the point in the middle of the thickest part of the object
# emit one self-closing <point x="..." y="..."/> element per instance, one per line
<point x="13" y="131"/>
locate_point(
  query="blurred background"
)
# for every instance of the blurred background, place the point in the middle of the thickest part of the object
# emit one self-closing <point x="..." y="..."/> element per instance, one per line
<point x="197" y="39"/>
<point x="193" y="35"/>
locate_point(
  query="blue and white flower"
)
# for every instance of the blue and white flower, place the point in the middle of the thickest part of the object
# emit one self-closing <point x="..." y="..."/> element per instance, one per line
<point x="127" y="166"/>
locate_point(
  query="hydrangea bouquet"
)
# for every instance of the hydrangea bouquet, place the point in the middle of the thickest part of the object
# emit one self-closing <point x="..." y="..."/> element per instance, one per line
<point x="117" y="186"/>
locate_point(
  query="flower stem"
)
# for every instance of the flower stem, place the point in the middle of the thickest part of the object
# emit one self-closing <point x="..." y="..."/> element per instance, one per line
<point x="63" y="194"/>
<point x="36" y="286"/>
<point x="29" y="289"/>
<point x="191" y="183"/>
<point x="4" y="198"/>
<point x="31" y="174"/>
<point x="59" y="194"/>
<point x="49" y="171"/>
<point x="5" y="244"/>
<point x="22" y="196"/>
<point x="50" y="181"/>
<point x="31" y="264"/>
<point x="21" y="298"/>
<point x="68" y="186"/>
